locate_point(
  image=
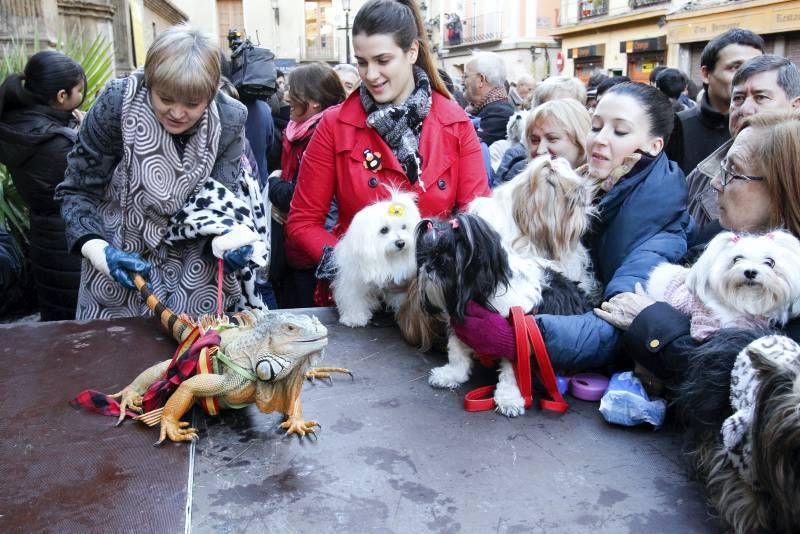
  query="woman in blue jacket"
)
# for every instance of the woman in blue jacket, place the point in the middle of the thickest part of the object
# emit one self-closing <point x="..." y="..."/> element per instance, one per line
<point x="642" y="221"/>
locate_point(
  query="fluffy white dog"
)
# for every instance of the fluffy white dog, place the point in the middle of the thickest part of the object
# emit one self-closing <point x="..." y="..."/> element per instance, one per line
<point x="739" y="281"/>
<point x="375" y="259"/>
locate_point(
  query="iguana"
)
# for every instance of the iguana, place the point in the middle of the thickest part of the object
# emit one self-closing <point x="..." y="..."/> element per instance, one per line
<point x="262" y="357"/>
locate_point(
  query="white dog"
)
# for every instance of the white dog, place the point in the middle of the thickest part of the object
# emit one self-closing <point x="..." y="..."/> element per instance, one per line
<point x="375" y="259"/>
<point x="739" y="281"/>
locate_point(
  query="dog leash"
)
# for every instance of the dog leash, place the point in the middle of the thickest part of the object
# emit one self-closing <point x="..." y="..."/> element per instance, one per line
<point x="525" y="330"/>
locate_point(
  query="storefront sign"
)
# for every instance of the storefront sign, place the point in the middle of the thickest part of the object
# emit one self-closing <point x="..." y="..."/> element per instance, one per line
<point x="705" y="27"/>
<point x="648" y="67"/>
<point x="587" y="51"/>
<point x="654" y="44"/>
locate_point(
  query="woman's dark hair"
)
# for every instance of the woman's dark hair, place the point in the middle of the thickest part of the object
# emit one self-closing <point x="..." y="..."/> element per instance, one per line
<point x="401" y="19"/>
<point x="46" y="73"/>
<point x="317" y="82"/>
<point x="610" y="82"/>
<point x="656" y="105"/>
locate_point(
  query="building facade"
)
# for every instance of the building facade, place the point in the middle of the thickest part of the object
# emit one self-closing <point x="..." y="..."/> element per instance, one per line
<point x="518" y="30"/>
<point x="689" y="29"/>
<point x="632" y="37"/>
<point x="612" y="36"/>
<point x="297" y="31"/>
<point x="130" y="25"/>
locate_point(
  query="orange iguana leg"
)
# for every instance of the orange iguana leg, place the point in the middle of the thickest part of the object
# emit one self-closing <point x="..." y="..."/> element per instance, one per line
<point x="325" y="372"/>
<point x="295" y="424"/>
<point x="206" y="385"/>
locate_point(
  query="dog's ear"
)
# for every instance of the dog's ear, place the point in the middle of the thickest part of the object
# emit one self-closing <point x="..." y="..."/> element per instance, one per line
<point x="699" y="277"/>
<point x="486" y="268"/>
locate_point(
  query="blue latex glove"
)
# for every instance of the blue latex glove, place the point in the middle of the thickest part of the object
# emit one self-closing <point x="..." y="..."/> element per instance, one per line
<point x="121" y="263"/>
<point x="235" y="260"/>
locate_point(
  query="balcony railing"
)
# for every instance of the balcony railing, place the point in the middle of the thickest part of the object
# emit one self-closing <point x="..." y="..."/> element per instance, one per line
<point x="633" y="4"/>
<point x="592" y="8"/>
<point x="319" y="50"/>
<point x="474" y="30"/>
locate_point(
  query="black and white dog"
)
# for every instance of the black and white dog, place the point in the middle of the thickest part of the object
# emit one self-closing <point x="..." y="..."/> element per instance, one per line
<point x="463" y="259"/>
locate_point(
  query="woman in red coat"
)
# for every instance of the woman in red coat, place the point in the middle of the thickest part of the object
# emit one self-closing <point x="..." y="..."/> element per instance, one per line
<point x="399" y="130"/>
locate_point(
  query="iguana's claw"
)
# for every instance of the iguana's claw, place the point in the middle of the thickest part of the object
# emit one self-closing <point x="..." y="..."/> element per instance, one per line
<point x="325" y="372"/>
<point x="299" y="427"/>
<point x="176" y="431"/>
<point x="129" y="399"/>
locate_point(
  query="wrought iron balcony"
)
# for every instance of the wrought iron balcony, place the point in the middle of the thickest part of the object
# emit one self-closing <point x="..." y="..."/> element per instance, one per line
<point x="592" y="8"/>
<point x="474" y="30"/>
<point x="633" y="4"/>
<point x="319" y="50"/>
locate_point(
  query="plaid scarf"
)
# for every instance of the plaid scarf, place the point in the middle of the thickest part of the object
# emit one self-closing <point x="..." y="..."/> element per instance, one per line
<point x="400" y="125"/>
<point x="186" y="363"/>
<point x="494" y="94"/>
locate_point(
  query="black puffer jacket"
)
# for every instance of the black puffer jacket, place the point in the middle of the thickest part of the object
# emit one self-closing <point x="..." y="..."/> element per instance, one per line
<point x="34" y="143"/>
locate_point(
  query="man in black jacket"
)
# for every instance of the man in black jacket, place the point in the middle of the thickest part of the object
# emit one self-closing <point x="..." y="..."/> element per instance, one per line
<point x="484" y="88"/>
<point x="701" y="130"/>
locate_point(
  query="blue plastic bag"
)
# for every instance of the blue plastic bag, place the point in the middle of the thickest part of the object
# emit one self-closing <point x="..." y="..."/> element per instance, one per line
<point x="625" y="402"/>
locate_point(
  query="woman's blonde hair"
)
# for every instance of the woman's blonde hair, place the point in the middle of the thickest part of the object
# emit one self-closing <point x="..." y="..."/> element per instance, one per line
<point x="568" y="115"/>
<point x="778" y="151"/>
<point x="184" y="64"/>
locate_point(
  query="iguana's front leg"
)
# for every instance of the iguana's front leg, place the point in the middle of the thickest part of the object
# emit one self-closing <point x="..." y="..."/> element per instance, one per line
<point x="295" y="424"/>
<point x="130" y="398"/>
<point x="205" y="385"/>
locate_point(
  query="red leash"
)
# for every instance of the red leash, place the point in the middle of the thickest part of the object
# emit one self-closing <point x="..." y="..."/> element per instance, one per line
<point x="220" y="273"/>
<point x="525" y="331"/>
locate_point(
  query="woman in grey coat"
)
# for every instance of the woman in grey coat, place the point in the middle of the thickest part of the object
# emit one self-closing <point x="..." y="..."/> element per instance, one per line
<point x="151" y="144"/>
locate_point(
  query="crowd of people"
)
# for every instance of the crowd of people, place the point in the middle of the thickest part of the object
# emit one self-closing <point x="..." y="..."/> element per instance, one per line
<point x="121" y="187"/>
<point x="172" y="175"/>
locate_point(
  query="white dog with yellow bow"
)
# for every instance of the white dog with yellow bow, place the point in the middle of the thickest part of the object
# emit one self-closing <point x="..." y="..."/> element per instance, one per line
<point x="375" y="259"/>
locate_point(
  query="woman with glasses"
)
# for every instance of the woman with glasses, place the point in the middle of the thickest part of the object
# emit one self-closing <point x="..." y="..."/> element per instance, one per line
<point x="758" y="188"/>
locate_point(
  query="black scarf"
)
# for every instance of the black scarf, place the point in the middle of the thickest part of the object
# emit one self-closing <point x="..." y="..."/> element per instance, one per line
<point x="400" y="125"/>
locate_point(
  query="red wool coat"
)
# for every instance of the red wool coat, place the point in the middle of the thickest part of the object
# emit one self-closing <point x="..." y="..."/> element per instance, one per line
<point x="333" y="165"/>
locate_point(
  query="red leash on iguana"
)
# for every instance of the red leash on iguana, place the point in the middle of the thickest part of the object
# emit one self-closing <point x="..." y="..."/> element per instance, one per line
<point x="525" y="331"/>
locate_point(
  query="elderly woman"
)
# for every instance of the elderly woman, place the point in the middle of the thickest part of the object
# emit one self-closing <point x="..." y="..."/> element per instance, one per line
<point x="757" y="186"/>
<point x="152" y="142"/>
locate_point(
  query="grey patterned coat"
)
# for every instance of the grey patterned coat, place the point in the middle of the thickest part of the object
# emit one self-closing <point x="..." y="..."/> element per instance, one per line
<point x="97" y="200"/>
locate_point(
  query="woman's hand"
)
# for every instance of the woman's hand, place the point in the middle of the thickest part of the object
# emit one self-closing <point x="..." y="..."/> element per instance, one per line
<point x="486" y="332"/>
<point x="623" y="308"/>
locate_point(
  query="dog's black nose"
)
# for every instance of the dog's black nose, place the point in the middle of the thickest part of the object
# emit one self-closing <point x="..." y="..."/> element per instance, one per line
<point x="399" y="244"/>
<point x="750" y="274"/>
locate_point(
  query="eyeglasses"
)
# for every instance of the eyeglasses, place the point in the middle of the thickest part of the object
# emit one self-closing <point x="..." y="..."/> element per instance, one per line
<point x="465" y="76"/>
<point x="728" y="176"/>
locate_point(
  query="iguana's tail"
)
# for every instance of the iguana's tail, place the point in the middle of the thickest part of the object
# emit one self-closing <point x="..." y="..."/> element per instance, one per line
<point x="175" y="325"/>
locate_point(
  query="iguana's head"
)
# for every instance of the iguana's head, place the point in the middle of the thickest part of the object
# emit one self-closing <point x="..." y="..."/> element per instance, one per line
<point x="276" y="342"/>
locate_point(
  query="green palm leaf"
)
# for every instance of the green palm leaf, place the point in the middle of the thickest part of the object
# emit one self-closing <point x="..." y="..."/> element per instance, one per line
<point x="96" y="57"/>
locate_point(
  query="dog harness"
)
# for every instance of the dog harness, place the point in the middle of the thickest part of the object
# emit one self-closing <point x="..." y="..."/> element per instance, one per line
<point x="527" y="337"/>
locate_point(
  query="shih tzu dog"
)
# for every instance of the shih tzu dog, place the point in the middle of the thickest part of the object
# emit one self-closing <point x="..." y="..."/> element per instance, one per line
<point x="742" y="413"/>
<point x="375" y="259"/>
<point x="542" y="213"/>
<point x="464" y="259"/>
<point x="739" y="281"/>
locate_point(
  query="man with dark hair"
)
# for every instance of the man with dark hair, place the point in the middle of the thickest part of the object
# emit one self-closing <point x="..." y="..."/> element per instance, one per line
<point x="701" y="130"/>
<point x="763" y="83"/>
<point x="672" y="83"/>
